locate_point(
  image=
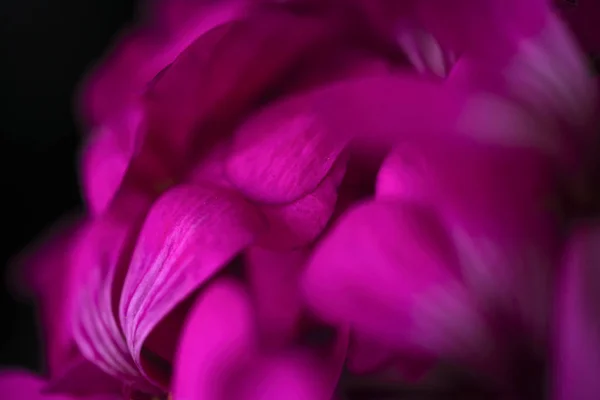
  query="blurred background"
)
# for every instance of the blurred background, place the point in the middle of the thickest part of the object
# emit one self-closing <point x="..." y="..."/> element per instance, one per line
<point x="46" y="46"/>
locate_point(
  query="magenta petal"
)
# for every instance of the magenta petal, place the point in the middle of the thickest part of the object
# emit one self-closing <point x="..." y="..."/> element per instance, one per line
<point x="227" y="362"/>
<point x="140" y="57"/>
<point x="389" y="270"/>
<point x="496" y="205"/>
<point x="190" y="233"/>
<point x="107" y="156"/>
<point x="47" y="273"/>
<point x="223" y="319"/>
<point x="282" y="154"/>
<point x="299" y="223"/>
<point x="16" y="385"/>
<point x="83" y="378"/>
<point x="577" y="357"/>
<point x="294" y="377"/>
<point x="223" y="74"/>
<point x="101" y="258"/>
<point x="274" y="279"/>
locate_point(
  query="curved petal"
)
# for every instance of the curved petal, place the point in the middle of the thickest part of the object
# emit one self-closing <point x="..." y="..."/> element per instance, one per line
<point x="228" y="363"/>
<point x="495" y="204"/>
<point x="224" y="319"/>
<point x="299" y="140"/>
<point x="46" y="273"/>
<point x="390" y="271"/>
<point x="551" y="74"/>
<point x="577" y="361"/>
<point x="143" y="54"/>
<point x="84" y="378"/>
<point x="17" y="385"/>
<point x="103" y="256"/>
<point x="107" y="156"/>
<point x="396" y="107"/>
<point x="289" y="376"/>
<point x="190" y="233"/>
<point x="299" y="223"/>
<point x="224" y="73"/>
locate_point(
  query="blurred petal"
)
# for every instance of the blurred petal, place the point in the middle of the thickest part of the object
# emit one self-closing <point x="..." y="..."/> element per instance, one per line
<point x="293" y="376"/>
<point x="495" y="204"/>
<point x="223" y="319"/>
<point x="189" y="235"/>
<point x="367" y="355"/>
<point x="551" y="74"/>
<point x="16" y="385"/>
<point x="46" y="272"/>
<point x="299" y="223"/>
<point x="141" y="55"/>
<point x="228" y="364"/>
<point x="582" y="18"/>
<point x="107" y="156"/>
<point x="392" y="108"/>
<point x="83" y="378"/>
<point x="103" y="256"/>
<point x="223" y="74"/>
<point x="577" y="359"/>
<point x="389" y="270"/>
<point x="274" y="286"/>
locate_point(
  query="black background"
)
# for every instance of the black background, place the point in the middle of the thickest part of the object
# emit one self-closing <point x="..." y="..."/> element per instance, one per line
<point x="46" y="48"/>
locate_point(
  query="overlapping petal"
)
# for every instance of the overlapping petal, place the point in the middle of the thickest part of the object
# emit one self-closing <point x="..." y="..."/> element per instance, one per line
<point x="107" y="157"/>
<point x="497" y="205"/>
<point x="228" y="362"/>
<point x="189" y="235"/>
<point x="224" y="73"/>
<point x="299" y="223"/>
<point x="390" y="271"/>
<point x="102" y="258"/>
<point x="142" y="54"/>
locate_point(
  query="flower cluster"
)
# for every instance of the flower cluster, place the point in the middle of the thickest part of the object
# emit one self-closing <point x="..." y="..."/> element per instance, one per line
<point x="320" y="200"/>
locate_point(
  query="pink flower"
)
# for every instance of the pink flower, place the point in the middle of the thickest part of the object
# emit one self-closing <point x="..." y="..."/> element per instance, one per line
<point x="275" y="195"/>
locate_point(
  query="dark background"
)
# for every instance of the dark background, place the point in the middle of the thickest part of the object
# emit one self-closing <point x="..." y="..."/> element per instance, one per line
<point x="46" y="46"/>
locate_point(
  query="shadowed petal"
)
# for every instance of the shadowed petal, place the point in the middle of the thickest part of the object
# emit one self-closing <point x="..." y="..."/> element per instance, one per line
<point x="228" y="364"/>
<point x="389" y="270"/>
<point x="17" y="385"/>
<point x="84" y="378"/>
<point x="274" y="279"/>
<point x="141" y="55"/>
<point x="299" y="223"/>
<point x="46" y="272"/>
<point x="495" y="203"/>
<point x="107" y="156"/>
<point x="577" y="359"/>
<point x="190" y="233"/>
<point x="223" y="74"/>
